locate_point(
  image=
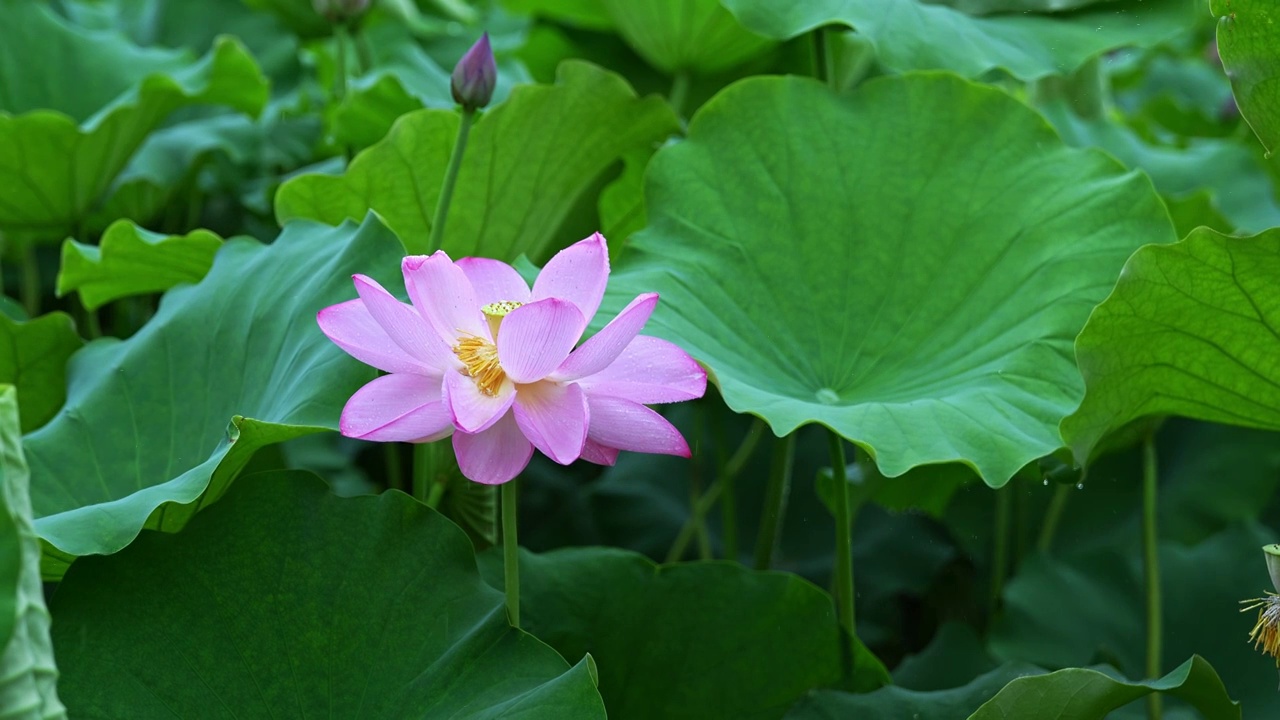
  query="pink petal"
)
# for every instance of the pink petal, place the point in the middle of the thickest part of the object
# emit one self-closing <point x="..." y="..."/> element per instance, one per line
<point x="443" y="294"/>
<point x="554" y="418"/>
<point x="350" y="326"/>
<point x="594" y="452"/>
<point x="404" y="325"/>
<point x="495" y="455"/>
<point x="472" y="410"/>
<point x="605" y="346"/>
<point x="494" y="281"/>
<point x="578" y="274"/>
<point x="535" y="338"/>
<point x="650" y="370"/>
<point x="625" y="425"/>
<point x="397" y="408"/>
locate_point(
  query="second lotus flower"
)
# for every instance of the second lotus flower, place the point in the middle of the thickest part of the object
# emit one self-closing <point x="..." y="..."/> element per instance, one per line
<point x="484" y="358"/>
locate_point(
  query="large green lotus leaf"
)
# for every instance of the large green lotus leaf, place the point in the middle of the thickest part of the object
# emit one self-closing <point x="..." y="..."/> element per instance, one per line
<point x="527" y="161"/>
<point x="286" y="601"/>
<point x="987" y="7"/>
<point x="703" y="640"/>
<point x="132" y="261"/>
<point x="621" y="204"/>
<point x="158" y="425"/>
<point x="586" y="14"/>
<point x="1190" y="329"/>
<point x="299" y="15"/>
<point x="906" y="264"/>
<point x="28" y="675"/>
<point x="915" y="35"/>
<point x="1234" y="173"/>
<point x="897" y="703"/>
<point x="33" y="356"/>
<point x="685" y="35"/>
<point x="57" y="163"/>
<point x="1249" y="45"/>
<point x="1087" y="694"/>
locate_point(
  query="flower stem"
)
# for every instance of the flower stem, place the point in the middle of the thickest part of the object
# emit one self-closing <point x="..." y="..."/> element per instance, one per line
<point x="728" y="499"/>
<point x="1000" y="552"/>
<point x="1151" y="567"/>
<point x="426" y="474"/>
<point x="679" y="91"/>
<point x="705" y="502"/>
<point x="775" y="500"/>
<point x="1052" y="515"/>
<point x="340" y="40"/>
<point x="395" y="469"/>
<point x="435" y="493"/>
<point x="450" y="180"/>
<point x="844" y="540"/>
<point x="510" y="552"/>
<point x="30" y="280"/>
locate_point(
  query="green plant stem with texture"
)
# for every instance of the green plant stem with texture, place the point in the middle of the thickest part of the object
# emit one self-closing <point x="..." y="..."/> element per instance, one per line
<point x="429" y="476"/>
<point x="728" y="498"/>
<point x="450" y="180"/>
<point x="510" y="552"/>
<point x="1000" y="550"/>
<point x="679" y="91"/>
<point x="844" y="540"/>
<point x="708" y="499"/>
<point x="1052" y="516"/>
<point x="341" y="38"/>
<point x="30" y="281"/>
<point x="1151" y="569"/>
<point x="775" y="500"/>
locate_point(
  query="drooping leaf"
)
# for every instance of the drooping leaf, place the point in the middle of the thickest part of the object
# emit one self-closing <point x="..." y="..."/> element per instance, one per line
<point x="28" y="675"/>
<point x="802" y="258"/>
<point x="1249" y="45"/>
<point x="164" y="421"/>
<point x="132" y="261"/>
<point x="1086" y="694"/>
<point x="896" y="703"/>
<point x="286" y="601"/>
<point x="707" y="640"/>
<point x="919" y="35"/>
<point x="685" y="35"/>
<point x="33" y="356"/>
<point x="1191" y="329"/>
<point x="527" y="161"/>
<point x="88" y="100"/>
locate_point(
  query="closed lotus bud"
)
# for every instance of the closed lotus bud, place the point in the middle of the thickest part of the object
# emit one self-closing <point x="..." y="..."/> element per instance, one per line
<point x="474" y="77"/>
<point x="340" y="10"/>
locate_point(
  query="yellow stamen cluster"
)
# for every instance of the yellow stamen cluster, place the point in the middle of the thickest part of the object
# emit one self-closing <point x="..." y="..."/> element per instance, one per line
<point x="481" y="360"/>
<point x="481" y="356"/>
<point x="1266" y="632"/>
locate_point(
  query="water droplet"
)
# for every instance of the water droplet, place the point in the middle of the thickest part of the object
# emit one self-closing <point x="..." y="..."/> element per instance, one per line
<point x="827" y="396"/>
<point x="1079" y="486"/>
<point x="1046" y="481"/>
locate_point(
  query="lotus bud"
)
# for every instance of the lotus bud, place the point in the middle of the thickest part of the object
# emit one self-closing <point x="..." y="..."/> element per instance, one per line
<point x="475" y="75"/>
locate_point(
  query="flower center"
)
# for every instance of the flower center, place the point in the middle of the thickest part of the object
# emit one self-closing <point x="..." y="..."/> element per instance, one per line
<point x="479" y="356"/>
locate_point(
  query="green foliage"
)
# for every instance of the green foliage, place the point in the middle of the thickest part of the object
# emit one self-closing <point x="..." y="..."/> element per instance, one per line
<point x="754" y="641"/>
<point x="527" y="162"/>
<point x="65" y="146"/>
<point x="132" y="261"/>
<point x="921" y="35"/>
<point x="918" y="306"/>
<point x="33" y="357"/>
<point x="1190" y="329"/>
<point x="165" y="420"/>
<point x="284" y="599"/>
<point x="27" y="672"/>
<point x="684" y="35"/>
<point x="1249" y="43"/>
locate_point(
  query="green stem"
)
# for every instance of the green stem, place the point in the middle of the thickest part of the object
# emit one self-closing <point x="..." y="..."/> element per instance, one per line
<point x="92" y="325"/>
<point x="424" y="472"/>
<point x="364" y="54"/>
<point x="395" y="467"/>
<point x="679" y="91"/>
<point x="775" y="500"/>
<point x="708" y="499"/>
<point x="30" y="280"/>
<point x="695" y="484"/>
<point x="436" y="493"/>
<point x="340" y="39"/>
<point x="1000" y="554"/>
<point x="1052" y="515"/>
<point x="510" y="552"/>
<point x="844" y="540"/>
<point x="1151" y="567"/>
<point x="450" y="179"/>
<point x="728" y="498"/>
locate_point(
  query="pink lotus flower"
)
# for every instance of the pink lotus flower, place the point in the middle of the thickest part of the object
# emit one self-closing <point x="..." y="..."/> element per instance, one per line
<point x="481" y="357"/>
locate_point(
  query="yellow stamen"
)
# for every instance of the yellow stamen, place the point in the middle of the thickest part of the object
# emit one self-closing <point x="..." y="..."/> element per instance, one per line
<point x="481" y="356"/>
<point x="1266" y="632"/>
